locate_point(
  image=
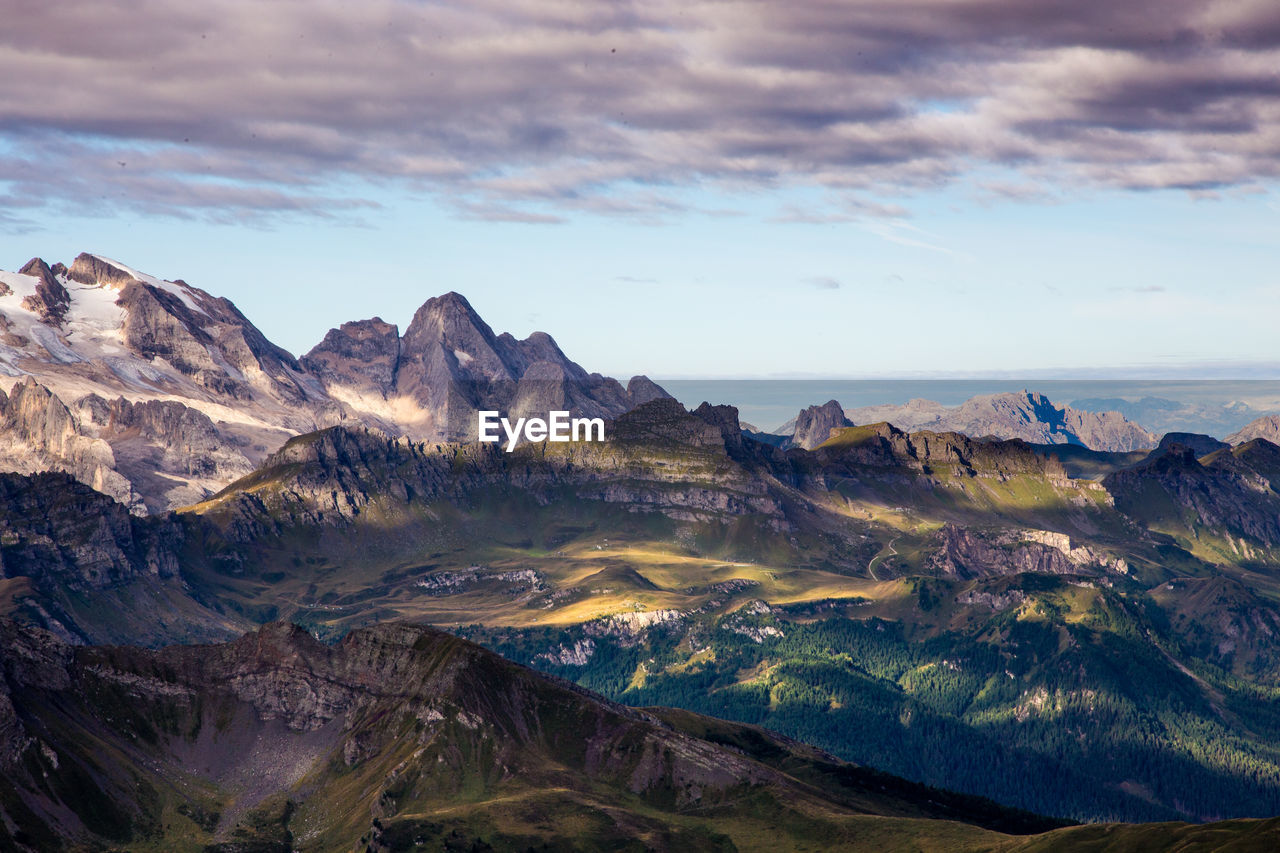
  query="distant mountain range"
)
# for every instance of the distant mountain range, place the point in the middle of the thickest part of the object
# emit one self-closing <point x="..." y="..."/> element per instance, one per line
<point x="160" y="394"/>
<point x="1029" y="416"/>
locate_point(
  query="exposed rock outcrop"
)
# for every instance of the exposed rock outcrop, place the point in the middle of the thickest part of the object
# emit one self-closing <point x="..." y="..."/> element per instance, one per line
<point x="449" y="364"/>
<point x="1201" y="445"/>
<point x="50" y="299"/>
<point x="172" y="454"/>
<point x="815" y="424"/>
<point x="1267" y="427"/>
<point x="968" y="554"/>
<point x="226" y="396"/>
<point x="39" y="433"/>
<point x="1236" y="490"/>
<point x="363" y="355"/>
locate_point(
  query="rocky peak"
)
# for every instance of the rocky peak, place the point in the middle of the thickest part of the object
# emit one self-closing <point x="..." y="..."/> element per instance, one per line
<point x="90" y="269"/>
<point x="1201" y="445"/>
<point x="39" y="415"/>
<point x="642" y="389"/>
<point x="39" y="433"/>
<point x="363" y="354"/>
<point x="1026" y="415"/>
<point x="1267" y="426"/>
<point x="538" y="347"/>
<point x="815" y="424"/>
<point x="51" y="300"/>
<point x="448" y="326"/>
<point x="725" y="419"/>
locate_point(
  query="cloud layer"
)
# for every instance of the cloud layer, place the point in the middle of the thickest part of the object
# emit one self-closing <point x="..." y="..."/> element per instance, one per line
<point x="527" y="109"/>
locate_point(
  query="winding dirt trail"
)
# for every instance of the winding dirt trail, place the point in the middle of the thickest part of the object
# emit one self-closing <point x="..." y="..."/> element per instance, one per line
<point x="886" y="551"/>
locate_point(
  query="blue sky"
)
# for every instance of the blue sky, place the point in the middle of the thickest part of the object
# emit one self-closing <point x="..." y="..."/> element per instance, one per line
<point x="731" y="194"/>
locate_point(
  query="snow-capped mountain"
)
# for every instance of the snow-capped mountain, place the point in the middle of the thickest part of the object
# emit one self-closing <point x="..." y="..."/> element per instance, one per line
<point x="159" y="393"/>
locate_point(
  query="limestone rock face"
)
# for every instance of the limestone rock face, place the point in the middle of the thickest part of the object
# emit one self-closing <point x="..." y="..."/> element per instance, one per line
<point x="814" y="424"/>
<point x="92" y="270"/>
<point x="965" y="554"/>
<point x="363" y="355"/>
<point x="50" y="299"/>
<point x="39" y="433"/>
<point x="1267" y="427"/>
<point x="172" y="454"/>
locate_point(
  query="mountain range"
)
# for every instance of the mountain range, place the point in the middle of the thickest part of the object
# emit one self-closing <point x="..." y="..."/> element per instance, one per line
<point x="1028" y="416"/>
<point x="1004" y="629"/>
<point x="158" y="393"/>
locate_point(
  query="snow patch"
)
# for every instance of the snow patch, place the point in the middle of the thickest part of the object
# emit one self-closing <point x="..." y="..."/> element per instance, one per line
<point x="177" y="290"/>
<point x="22" y="286"/>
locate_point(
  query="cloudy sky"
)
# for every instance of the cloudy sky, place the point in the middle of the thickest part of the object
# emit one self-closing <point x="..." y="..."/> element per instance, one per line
<point x="870" y="187"/>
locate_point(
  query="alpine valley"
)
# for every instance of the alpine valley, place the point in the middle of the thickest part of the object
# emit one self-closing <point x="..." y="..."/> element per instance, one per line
<point x="253" y="602"/>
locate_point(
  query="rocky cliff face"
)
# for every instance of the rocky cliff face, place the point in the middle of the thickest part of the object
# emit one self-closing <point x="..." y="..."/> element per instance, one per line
<point x="363" y="356"/>
<point x="79" y="564"/>
<point x="152" y="455"/>
<point x="968" y="554"/>
<point x="39" y="433"/>
<point x="100" y="331"/>
<point x="50" y="299"/>
<point x="171" y="454"/>
<point x="815" y="424"/>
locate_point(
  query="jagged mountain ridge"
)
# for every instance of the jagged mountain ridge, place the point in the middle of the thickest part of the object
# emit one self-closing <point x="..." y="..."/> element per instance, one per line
<point x="450" y="364"/>
<point x="1029" y="416"/>
<point x="1267" y="426"/>
<point x="400" y="732"/>
<point x="159" y="393"/>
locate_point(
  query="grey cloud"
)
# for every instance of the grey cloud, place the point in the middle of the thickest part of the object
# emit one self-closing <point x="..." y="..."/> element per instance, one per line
<point x="528" y="111"/>
<point x="823" y="282"/>
<point x="1141" y="288"/>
